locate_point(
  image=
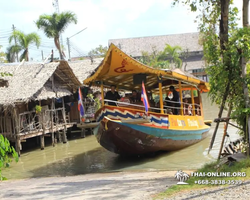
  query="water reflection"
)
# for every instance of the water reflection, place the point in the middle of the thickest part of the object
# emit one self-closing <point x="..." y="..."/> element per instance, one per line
<point x="82" y="156"/>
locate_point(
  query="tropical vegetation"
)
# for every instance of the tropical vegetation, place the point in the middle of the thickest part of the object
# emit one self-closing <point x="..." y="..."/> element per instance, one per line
<point x="23" y="41"/>
<point x="2" y="56"/>
<point x="5" y="150"/>
<point x="226" y="51"/>
<point x="168" y="58"/>
<point x="54" y="25"/>
<point x="99" y="51"/>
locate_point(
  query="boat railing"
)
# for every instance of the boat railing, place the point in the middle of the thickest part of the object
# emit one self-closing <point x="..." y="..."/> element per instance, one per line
<point x="133" y="105"/>
<point x="178" y="107"/>
<point x="153" y="109"/>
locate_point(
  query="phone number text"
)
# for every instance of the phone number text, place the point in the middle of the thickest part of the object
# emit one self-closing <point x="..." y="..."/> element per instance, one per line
<point x="218" y="182"/>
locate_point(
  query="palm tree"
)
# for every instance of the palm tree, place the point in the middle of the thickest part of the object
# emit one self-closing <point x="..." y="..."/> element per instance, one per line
<point x="55" y="24"/>
<point x="172" y="54"/>
<point x="23" y="43"/>
<point x="11" y="52"/>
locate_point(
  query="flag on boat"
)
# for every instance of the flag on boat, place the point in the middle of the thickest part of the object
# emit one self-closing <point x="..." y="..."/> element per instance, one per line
<point x="80" y="104"/>
<point x="144" y="97"/>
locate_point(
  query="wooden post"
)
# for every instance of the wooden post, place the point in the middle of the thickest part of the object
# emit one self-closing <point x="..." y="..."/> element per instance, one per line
<point x="180" y="90"/>
<point x="52" y="56"/>
<point x="63" y="111"/>
<point x="201" y="108"/>
<point x="83" y="132"/>
<point x="42" y="136"/>
<point x="102" y="93"/>
<point x="59" y="137"/>
<point x="52" y="129"/>
<point x="161" y="97"/>
<point x="18" y="146"/>
<point x="64" y="134"/>
<point x="192" y="96"/>
<point x="17" y="138"/>
<point x="42" y="141"/>
<point x="225" y="130"/>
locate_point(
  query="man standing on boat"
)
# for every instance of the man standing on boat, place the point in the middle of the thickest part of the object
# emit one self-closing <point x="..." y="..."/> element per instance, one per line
<point x="176" y="99"/>
<point x="113" y="96"/>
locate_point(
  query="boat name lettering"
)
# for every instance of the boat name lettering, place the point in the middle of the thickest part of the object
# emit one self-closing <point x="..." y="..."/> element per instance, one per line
<point x="192" y="122"/>
<point x="201" y="123"/>
<point x="121" y="69"/>
<point x="177" y="122"/>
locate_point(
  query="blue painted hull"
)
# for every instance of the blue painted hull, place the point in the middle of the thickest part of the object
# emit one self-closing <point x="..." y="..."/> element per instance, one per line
<point x="134" y="139"/>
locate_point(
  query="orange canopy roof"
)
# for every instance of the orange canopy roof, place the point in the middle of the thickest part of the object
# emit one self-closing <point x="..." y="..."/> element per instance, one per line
<point x="118" y="68"/>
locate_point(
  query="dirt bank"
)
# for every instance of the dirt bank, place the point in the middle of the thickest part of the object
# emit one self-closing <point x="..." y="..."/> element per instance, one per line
<point x="134" y="185"/>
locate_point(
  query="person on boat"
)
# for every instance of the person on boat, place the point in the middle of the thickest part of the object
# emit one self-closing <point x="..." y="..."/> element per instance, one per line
<point x="176" y="100"/>
<point x="168" y="105"/>
<point x="134" y="98"/>
<point x="187" y="107"/>
<point x="112" y="95"/>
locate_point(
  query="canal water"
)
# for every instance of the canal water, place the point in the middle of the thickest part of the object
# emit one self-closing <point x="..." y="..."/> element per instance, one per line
<point x="85" y="155"/>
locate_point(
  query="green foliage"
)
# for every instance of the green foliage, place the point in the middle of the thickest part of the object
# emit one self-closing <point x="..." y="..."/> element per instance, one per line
<point x="2" y="56"/>
<point x="55" y="24"/>
<point x="5" y="150"/>
<point x="168" y="58"/>
<point x="38" y="109"/>
<point x="99" y="51"/>
<point x="23" y="43"/>
<point x="2" y="74"/>
<point x="224" y="60"/>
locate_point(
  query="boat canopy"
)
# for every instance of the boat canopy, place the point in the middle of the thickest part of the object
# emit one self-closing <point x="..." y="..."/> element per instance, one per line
<point x="119" y="69"/>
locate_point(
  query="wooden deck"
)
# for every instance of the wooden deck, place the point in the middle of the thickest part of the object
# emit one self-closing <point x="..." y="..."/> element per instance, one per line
<point x="39" y="132"/>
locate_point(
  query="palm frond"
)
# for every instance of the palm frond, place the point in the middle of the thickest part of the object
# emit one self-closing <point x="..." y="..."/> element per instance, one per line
<point x="33" y="38"/>
<point x="64" y="19"/>
<point x="19" y="36"/>
<point x="47" y="24"/>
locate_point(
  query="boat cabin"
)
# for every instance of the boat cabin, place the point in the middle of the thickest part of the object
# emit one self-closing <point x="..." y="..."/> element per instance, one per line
<point x="171" y="92"/>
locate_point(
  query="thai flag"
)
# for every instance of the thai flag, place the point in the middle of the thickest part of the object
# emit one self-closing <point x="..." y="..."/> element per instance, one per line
<point x="80" y="104"/>
<point x="144" y="97"/>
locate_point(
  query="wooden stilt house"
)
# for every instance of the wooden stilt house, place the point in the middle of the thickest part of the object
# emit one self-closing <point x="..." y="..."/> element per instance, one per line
<point x="32" y="101"/>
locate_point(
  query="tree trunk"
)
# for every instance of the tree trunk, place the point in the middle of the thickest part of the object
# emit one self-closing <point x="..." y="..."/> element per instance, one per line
<point x="27" y="55"/>
<point x="223" y="41"/>
<point x="58" y="46"/>
<point x="245" y="14"/>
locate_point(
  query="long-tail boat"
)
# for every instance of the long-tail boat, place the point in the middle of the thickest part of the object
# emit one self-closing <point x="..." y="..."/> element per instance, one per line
<point x="128" y="128"/>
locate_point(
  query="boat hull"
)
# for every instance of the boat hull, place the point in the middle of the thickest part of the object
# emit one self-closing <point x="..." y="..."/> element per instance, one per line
<point x="134" y="139"/>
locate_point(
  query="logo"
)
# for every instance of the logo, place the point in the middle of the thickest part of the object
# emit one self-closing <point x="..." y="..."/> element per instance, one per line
<point x="121" y="69"/>
<point x="181" y="177"/>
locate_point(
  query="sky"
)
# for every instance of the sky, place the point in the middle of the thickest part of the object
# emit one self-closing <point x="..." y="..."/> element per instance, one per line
<point x="103" y="20"/>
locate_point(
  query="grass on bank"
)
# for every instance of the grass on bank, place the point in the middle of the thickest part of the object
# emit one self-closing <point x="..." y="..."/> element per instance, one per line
<point x="242" y="166"/>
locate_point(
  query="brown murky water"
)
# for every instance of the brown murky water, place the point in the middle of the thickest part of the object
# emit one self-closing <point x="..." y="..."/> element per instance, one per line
<point x="82" y="156"/>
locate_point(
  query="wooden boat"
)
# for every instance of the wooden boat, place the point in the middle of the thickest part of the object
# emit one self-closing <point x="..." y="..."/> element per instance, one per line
<point x="126" y="128"/>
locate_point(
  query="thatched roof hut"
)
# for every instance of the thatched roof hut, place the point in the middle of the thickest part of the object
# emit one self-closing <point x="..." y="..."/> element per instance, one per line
<point x="33" y="81"/>
<point x="83" y="68"/>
